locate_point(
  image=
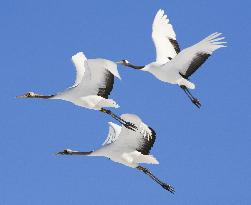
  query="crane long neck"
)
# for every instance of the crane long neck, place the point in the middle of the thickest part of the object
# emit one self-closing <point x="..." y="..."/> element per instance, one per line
<point x="134" y="66"/>
<point x="43" y="96"/>
<point x="81" y="153"/>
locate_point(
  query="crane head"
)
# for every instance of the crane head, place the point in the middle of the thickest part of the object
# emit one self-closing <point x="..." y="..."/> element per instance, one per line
<point x="128" y="64"/>
<point x="65" y="152"/>
<point x="28" y="95"/>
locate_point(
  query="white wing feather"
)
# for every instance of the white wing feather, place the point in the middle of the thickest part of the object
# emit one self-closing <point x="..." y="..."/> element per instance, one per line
<point x="79" y="62"/>
<point x="106" y="64"/>
<point x="94" y="76"/>
<point x="162" y="31"/>
<point x="206" y="46"/>
<point x="130" y="138"/>
<point x="113" y="134"/>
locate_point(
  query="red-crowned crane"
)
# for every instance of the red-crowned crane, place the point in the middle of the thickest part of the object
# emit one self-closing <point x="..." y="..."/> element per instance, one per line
<point x="173" y="65"/>
<point x="92" y="87"/>
<point x="130" y="148"/>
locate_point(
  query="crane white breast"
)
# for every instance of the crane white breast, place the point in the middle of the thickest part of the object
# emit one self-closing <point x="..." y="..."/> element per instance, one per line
<point x="165" y="72"/>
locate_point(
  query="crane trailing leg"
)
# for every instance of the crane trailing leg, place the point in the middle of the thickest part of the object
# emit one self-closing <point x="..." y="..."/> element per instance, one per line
<point x="164" y="185"/>
<point x="128" y="125"/>
<point x="194" y="100"/>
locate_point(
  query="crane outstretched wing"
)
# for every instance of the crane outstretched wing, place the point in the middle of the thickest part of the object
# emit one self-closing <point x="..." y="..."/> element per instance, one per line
<point x="136" y="140"/>
<point x="164" y="38"/>
<point x="101" y="78"/>
<point x="191" y="58"/>
<point x="94" y="76"/>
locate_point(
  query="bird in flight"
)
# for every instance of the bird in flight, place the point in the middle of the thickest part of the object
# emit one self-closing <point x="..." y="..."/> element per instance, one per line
<point x="93" y="84"/>
<point x="127" y="147"/>
<point x="173" y="65"/>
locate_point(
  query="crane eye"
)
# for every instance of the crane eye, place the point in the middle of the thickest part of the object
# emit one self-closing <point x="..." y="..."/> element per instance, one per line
<point x="29" y="94"/>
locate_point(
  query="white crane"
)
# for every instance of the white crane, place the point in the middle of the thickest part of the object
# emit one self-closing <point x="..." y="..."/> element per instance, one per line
<point x="172" y="65"/>
<point x="127" y="147"/>
<point x="93" y="84"/>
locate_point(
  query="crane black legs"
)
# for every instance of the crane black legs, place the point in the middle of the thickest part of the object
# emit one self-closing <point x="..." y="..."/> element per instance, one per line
<point x="128" y="125"/>
<point x="191" y="97"/>
<point x="164" y="185"/>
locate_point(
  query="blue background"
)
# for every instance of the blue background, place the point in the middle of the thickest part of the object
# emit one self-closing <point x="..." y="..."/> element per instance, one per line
<point x="204" y="153"/>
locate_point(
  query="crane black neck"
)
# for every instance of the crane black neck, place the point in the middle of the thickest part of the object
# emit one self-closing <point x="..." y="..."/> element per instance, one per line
<point x="134" y="66"/>
<point x="81" y="153"/>
<point x="43" y="96"/>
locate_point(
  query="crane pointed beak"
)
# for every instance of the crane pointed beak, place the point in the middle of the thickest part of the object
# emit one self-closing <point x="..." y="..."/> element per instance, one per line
<point x="119" y="62"/>
<point x="59" y="153"/>
<point x="21" y="96"/>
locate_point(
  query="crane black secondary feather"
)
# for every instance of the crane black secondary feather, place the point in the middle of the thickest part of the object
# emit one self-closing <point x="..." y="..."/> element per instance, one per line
<point x="109" y="81"/>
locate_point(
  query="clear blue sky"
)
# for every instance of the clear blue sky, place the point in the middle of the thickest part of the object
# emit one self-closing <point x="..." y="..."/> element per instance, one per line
<point x="204" y="154"/>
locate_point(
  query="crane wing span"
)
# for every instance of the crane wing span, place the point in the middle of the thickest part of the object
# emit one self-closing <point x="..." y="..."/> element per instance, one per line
<point x="99" y="79"/>
<point x="79" y="60"/>
<point x="191" y="58"/>
<point x="113" y="134"/>
<point x="136" y="140"/>
<point x="164" y="38"/>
